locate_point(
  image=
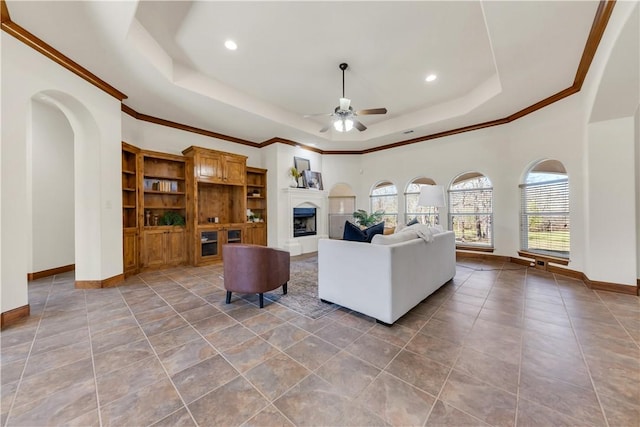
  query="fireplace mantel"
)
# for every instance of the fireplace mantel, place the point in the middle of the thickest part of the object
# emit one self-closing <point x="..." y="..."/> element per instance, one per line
<point x="302" y="198"/>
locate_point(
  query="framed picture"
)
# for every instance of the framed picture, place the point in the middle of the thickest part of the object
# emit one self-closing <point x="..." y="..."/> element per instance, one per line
<point x="313" y="180"/>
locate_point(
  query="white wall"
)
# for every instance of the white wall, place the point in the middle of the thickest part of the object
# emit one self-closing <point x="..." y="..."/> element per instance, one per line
<point x="95" y="119"/>
<point x="52" y="189"/>
<point x="150" y="136"/>
<point x="637" y="148"/>
<point x="611" y="205"/>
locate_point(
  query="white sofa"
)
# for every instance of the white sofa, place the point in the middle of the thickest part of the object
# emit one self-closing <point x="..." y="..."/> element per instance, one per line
<point x="384" y="280"/>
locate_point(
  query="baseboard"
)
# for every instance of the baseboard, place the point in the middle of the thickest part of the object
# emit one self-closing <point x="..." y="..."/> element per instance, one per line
<point x="99" y="284"/>
<point x="13" y="316"/>
<point x="50" y="272"/>
<point x="481" y="255"/>
<point x="591" y="284"/>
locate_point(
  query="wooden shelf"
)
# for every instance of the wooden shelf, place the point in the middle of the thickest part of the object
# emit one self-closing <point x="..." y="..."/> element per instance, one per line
<point x="129" y="207"/>
<point x="166" y="177"/>
<point x="165" y="207"/>
<point x="128" y="189"/>
<point x="130" y="172"/>
<point x="178" y="193"/>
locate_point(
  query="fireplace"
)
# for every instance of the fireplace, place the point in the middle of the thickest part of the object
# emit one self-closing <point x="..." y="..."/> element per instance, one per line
<point x="304" y="222"/>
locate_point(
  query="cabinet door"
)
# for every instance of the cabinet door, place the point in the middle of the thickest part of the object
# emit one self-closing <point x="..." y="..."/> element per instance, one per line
<point x="260" y="234"/>
<point x="235" y="170"/>
<point x="130" y="252"/>
<point x="153" y="250"/>
<point x="210" y="167"/>
<point x="176" y="247"/>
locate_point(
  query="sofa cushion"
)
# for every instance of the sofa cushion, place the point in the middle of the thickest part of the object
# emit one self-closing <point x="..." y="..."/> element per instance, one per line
<point x="392" y="239"/>
<point x="401" y="226"/>
<point x="353" y="233"/>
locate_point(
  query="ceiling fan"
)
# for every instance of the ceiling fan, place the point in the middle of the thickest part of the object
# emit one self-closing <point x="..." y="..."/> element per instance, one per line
<point x="345" y="116"/>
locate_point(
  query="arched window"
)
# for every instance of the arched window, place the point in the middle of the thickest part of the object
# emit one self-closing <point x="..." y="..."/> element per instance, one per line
<point x="384" y="196"/>
<point x="424" y="215"/>
<point x="471" y="210"/>
<point x="544" y="219"/>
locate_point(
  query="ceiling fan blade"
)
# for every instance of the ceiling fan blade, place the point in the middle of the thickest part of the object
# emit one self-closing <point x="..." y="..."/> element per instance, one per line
<point x="344" y="104"/>
<point x="371" y="111"/>
<point x="324" y="129"/>
<point x="359" y="126"/>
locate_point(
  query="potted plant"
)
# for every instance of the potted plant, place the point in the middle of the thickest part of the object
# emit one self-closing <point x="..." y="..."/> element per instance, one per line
<point x="364" y="219"/>
<point x="294" y="174"/>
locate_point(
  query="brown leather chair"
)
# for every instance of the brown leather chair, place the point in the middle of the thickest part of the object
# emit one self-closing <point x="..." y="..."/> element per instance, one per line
<point x="250" y="269"/>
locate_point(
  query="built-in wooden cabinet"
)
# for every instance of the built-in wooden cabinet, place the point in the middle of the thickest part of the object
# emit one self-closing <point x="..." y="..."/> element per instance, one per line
<point x="256" y="230"/>
<point x="256" y="234"/>
<point x="129" y="209"/>
<point x="162" y="209"/>
<point x="212" y="191"/>
<point x="163" y="246"/>
<point x="217" y="167"/>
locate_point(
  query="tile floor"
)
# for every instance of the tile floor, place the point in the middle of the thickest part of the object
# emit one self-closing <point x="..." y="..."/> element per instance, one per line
<point x="499" y="345"/>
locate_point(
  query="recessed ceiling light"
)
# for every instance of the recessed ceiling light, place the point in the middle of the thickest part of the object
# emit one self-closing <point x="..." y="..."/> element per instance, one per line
<point x="231" y="45"/>
<point x="431" y="77"/>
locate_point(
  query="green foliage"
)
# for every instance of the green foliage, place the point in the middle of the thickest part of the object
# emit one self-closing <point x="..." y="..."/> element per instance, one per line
<point x="171" y="218"/>
<point x="294" y="172"/>
<point x="361" y="217"/>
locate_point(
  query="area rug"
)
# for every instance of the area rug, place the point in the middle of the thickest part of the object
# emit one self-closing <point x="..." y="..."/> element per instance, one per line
<point x="302" y="290"/>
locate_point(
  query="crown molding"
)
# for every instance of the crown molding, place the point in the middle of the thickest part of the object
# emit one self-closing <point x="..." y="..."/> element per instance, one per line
<point x="56" y="56"/>
<point x="600" y="21"/>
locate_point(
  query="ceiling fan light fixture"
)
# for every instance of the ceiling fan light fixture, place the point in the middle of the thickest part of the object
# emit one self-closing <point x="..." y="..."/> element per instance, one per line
<point x="344" y="104"/>
<point x="231" y="45"/>
<point x="431" y="77"/>
<point x="343" y="125"/>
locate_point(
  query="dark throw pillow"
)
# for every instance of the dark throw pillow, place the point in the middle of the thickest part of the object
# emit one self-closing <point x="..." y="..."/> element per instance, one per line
<point x="353" y="233"/>
<point x="373" y="230"/>
<point x="413" y="221"/>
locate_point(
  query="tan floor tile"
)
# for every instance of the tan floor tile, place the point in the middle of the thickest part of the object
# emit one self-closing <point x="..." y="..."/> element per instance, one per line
<point x="163" y="325"/>
<point x="167" y="340"/>
<point x="439" y="350"/>
<point x="186" y="355"/>
<point x="617" y="382"/>
<point x="490" y="404"/>
<point x="284" y="336"/>
<point x="373" y="350"/>
<point x="129" y="380"/>
<point x="620" y="413"/>
<point x="250" y="353"/>
<point x="338" y="335"/>
<point x="310" y="325"/>
<point x="202" y="378"/>
<point x="328" y="406"/>
<point x="245" y="312"/>
<point x="531" y="414"/>
<point x="16" y="353"/>
<point x="348" y="374"/>
<point x="446" y="415"/>
<point x="114" y="325"/>
<point x="10" y="372"/>
<point x="56" y="358"/>
<point x="155" y="314"/>
<point x="311" y="352"/>
<point x="107" y="342"/>
<point x="48" y="382"/>
<point x="453" y="332"/>
<point x="397" y="402"/>
<point x="397" y="335"/>
<point x="224" y="339"/>
<point x="357" y="321"/>
<point x="180" y="418"/>
<point x="419" y="371"/>
<point x="143" y="407"/>
<point x="121" y="356"/>
<point x="577" y="402"/>
<point x="500" y="317"/>
<point x="489" y="369"/>
<point x="56" y="408"/>
<point x="276" y="375"/>
<point x="557" y="346"/>
<point x="269" y="417"/>
<point x="232" y="404"/>
<point x="262" y="322"/>
<point x="548" y="329"/>
<point x="566" y="368"/>
<point x="214" y="323"/>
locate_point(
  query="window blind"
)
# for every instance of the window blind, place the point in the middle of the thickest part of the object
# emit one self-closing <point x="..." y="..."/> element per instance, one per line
<point x="471" y="215"/>
<point x="545" y="222"/>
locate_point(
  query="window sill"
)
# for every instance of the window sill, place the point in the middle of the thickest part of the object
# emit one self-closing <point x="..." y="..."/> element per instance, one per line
<point x="545" y="258"/>
<point x="475" y="248"/>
